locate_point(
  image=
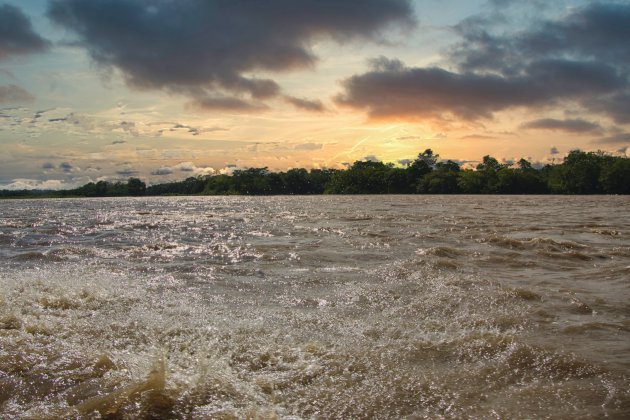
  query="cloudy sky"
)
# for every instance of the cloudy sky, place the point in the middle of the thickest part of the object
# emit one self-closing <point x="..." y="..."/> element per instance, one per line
<point x="166" y="89"/>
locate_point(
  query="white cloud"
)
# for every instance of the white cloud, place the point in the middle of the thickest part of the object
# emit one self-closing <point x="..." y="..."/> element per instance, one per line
<point x="36" y="184"/>
<point x="186" y="167"/>
<point x="229" y="169"/>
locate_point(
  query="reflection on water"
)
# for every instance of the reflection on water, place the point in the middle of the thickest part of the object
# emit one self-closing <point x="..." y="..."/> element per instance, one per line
<point x="315" y="307"/>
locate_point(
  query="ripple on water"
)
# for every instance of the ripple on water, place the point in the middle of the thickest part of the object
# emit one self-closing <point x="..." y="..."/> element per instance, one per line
<point x="171" y="315"/>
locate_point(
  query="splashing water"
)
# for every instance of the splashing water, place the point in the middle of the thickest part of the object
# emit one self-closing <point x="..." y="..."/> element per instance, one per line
<point x="315" y="307"/>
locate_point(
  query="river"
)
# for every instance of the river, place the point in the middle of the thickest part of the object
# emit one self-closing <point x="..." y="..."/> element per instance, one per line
<point x="315" y="307"/>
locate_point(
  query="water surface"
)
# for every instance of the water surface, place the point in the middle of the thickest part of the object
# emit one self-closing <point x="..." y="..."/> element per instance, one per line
<point x="315" y="307"/>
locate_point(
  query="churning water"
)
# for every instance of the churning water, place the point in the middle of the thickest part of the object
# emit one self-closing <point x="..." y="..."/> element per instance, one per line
<point x="315" y="307"/>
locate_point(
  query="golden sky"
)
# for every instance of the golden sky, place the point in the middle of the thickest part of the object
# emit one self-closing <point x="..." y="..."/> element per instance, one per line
<point x="163" y="90"/>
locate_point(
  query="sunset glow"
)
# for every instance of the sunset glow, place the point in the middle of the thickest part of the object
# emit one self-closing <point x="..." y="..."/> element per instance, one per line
<point x="163" y="90"/>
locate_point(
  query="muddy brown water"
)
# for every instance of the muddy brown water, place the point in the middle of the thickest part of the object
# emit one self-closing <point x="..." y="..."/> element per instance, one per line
<point x="315" y="307"/>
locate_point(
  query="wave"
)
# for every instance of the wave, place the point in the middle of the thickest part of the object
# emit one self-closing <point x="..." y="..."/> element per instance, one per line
<point x="102" y="343"/>
<point x="37" y="256"/>
<point x="437" y="312"/>
<point x="535" y="243"/>
<point x="442" y="251"/>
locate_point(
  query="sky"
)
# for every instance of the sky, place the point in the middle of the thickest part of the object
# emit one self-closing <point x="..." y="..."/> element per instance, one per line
<point x="162" y="90"/>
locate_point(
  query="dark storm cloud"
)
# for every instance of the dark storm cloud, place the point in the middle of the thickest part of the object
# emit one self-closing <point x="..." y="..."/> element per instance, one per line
<point x="197" y="46"/>
<point x="597" y="32"/>
<point x="392" y="90"/>
<point x="16" y="33"/>
<point x="616" y="106"/>
<point x="583" y="58"/>
<point x="501" y="4"/>
<point x="12" y="94"/>
<point x="623" y="138"/>
<point x="570" y="125"/>
<point x="306" y="104"/>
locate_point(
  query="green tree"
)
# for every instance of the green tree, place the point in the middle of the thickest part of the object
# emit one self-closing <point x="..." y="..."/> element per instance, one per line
<point x="136" y="187"/>
<point x="100" y="189"/>
<point x="396" y="180"/>
<point x="471" y="182"/>
<point x="219" y="185"/>
<point x="297" y="181"/>
<point x="363" y="177"/>
<point x="489" y="169"/>
<point x="442" y="180"/>
<point x="579" y="173"/>
<point x="422" y="165"/>
<point x="615" y="178"/>
<point x="320" y="178"/>
<point x="252" y="181"/>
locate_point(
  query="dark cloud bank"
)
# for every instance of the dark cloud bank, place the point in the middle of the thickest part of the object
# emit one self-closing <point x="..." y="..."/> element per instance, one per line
<point x="209" y="49"/>
<point x="17" y="38"/>
<point x="570" y="125"/>
<point x="16" y="34"/>
<point x="583" y="58"/>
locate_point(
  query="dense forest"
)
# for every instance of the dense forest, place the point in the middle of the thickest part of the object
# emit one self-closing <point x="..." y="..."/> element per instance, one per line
<point x="579" y="173"/>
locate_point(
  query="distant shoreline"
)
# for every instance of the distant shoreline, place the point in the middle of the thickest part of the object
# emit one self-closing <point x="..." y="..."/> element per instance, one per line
<point x="43" y="195"/>
<point x="580" y="173"/>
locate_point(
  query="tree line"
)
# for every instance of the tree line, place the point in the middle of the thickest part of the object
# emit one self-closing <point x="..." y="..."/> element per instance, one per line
<point x="579" y="173"/>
